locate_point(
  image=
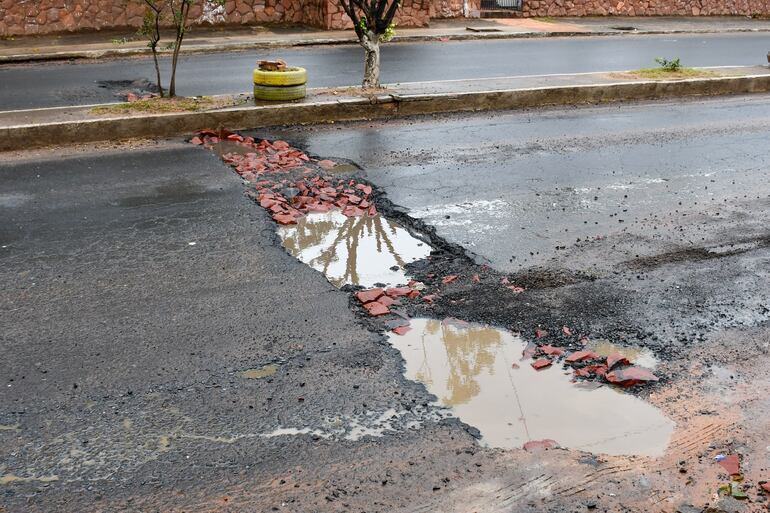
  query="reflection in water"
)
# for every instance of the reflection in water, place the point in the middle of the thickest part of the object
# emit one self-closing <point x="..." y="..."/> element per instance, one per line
<point x="470" y="369"/>
<point x="353" y="250"/>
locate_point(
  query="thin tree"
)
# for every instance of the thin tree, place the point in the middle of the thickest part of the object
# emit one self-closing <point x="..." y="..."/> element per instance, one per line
<point x="373" y="23"/>
<point x="180" y="10"/>
<point x="151" y="30"/>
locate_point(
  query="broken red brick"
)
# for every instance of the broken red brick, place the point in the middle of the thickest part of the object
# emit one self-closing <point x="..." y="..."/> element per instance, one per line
<point x="280" y="145"/>
<point x="414" y="294"/>
<point x="617" y="359"/>
<point x="365" y="296"/>
<point x="550" y="350"/>
<point x="398" y="291"/>
<point x="765" y="486"/>
<point x="366" y="189"/>
<point x="476" y="278"/>
<point x="541" y="363"/>
<point x="196" y="140"/>
<point x="732" y="464"/>
<point x="567" y="332"/>
<point x="285" y="219"/>
<point x="540" y="333"/>
<point x="429" y="298"/>
<point x="514" y="366"/>
<point x="401" y="330"/>
<point x="388" y="301"/>
<point x="327" y="164"/>
<point x="529" y="350"/>
<point x="579" y="356"/>
<point x="540" y="445"/>
<point x="629" y="376"/>
<point x="446" y="280"/>
<point x="375" y="308"/>
<point x="515" y="289"/>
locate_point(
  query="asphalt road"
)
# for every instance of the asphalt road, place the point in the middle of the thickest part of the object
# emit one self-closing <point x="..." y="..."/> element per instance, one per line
<point x="78" y="83"/>
<point x="137" y="283"/>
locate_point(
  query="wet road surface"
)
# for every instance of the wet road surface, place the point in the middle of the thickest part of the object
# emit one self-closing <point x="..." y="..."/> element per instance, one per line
<point x="82" y="82"/>
<point x="165" y="352"/>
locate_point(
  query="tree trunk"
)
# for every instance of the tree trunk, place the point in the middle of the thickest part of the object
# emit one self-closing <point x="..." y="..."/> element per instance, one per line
<point x="181" y="27"/>
<point x="371" y="43"/>
<point x="157" y="69"/>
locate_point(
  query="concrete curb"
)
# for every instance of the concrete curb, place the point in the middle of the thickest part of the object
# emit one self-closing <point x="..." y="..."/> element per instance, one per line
<point x="240" y="46"/>
<point x="378" y="107"/>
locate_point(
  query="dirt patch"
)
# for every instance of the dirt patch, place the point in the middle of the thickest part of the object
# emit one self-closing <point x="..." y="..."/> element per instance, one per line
<point x="157" y="105"/>
<point x="662" y="74"/>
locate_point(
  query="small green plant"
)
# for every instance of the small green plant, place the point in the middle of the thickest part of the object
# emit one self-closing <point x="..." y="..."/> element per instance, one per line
<point x="120" y="40"/>
<point x="669" y="65"/>
<point x="389" y="32"/>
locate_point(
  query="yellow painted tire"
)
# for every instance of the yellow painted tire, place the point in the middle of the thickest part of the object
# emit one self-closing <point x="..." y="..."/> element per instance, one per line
<point x="290" y="77"/>
<point x="278" y="93"/>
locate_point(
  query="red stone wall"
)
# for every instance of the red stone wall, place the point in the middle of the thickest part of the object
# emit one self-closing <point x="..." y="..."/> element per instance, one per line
<point x="646" y="7"/>
<point x="446" y="8"/>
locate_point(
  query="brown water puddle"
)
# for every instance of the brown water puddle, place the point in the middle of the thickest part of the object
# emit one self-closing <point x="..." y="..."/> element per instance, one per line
<point x="470" y="368"/>
<point x="353" y="250"/>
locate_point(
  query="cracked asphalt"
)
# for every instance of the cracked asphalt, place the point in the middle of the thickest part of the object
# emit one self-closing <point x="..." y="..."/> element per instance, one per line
<point x="138" y="284"/>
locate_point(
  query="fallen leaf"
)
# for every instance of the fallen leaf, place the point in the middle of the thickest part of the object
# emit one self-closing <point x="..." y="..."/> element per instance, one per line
<point x="541" y="363"/>
<point x="366" y="296"/>
<point x="629" y="376"/>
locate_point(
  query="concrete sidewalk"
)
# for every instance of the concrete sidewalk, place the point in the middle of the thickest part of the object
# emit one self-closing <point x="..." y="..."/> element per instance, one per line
<point x="69" y="125"/>
<point x="212" y="39"/>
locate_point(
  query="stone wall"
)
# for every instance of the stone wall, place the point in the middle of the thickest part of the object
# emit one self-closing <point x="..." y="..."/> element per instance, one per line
<point x="446" y="8"/>
<point x="646" y="7"/>
<point x="29" y="17"/>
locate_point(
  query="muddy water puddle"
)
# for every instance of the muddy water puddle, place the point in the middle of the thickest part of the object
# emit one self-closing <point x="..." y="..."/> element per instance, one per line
<point x="361" y="250"/>
<point x="470" y="368"/>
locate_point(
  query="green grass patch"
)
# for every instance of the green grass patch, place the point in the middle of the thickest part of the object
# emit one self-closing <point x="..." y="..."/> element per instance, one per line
<point x="664" y="74"/>
<point x="165" y="105"/>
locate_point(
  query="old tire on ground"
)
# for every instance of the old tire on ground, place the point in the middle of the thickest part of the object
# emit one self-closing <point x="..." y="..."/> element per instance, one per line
<point x="289" y="77"/>
<point x="279" y="93"/>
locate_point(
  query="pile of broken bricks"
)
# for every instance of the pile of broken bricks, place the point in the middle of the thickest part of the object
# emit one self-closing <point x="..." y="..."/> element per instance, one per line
<point x="289" y="199"/>
<point x="614" y="368"/>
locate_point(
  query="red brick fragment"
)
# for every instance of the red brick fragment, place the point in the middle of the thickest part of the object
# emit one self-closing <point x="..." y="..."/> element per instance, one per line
<point x="196" y="140"/>
<point x="365" y="296"/>
<point x="540" y="445"/>
<point x="476" y="278"/>
<point x="529" y="350"/>
<point x="514" y="365"/>
<point x="765" y="486"/>
<point x="540" y="333"/>
<point x="541" y="363"/>
<point x="372" y="211"/>
<point x="366" y="189"/>
<point x="375" y="308"/>
<point x="629" y="376"/>
<point x="446" y="280"/>
<point x="388" y="301"/>
<point x="398" y="291"/>
<point x="401" y="330"/>
<point x="550" y="350"/>
<point x="429" y="298"/>
<point x="285" y="219"/>
<point x="567" y="332"/>
<point x="617" y="359"/>
<point x="327" y="164"/>
<point x="414" y="294"/>
<point x="280" y="145"/>
<point x="516" y="289"/>
<point x="732" y="464"/>
<point x="579" y="356"/>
